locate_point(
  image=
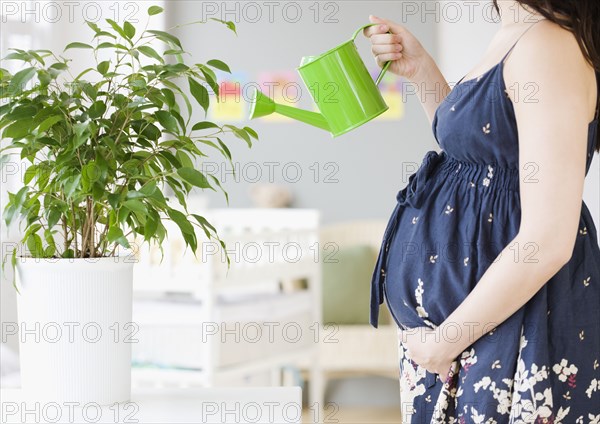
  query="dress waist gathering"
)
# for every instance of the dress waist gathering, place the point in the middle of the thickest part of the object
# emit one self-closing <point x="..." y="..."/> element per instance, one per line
<point x="437" y="166"/>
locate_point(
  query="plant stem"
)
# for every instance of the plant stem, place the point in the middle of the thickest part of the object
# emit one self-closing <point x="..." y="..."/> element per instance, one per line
<point x="92" y="230"/>
<point x="64" y="225"/>
<point x="74" y="228"/>
<point x="85" y="233"/>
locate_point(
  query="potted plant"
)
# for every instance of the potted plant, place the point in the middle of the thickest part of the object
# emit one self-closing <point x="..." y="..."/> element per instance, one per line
<point x="100" y="148"/>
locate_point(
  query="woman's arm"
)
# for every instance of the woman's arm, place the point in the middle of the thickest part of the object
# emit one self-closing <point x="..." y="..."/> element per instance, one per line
<point x="410" y="60"/>
<point x="553" y="133"/>
<point x="431" y="86"/>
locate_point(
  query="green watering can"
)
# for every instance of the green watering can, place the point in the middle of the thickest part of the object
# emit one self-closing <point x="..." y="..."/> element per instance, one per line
<point x="355" y="101"/>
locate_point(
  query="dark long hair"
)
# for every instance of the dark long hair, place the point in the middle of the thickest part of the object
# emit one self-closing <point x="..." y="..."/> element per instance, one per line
<point x="582" y="18"/>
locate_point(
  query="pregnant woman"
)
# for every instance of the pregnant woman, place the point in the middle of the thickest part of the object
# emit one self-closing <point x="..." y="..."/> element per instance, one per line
<point x="490" y="263"/>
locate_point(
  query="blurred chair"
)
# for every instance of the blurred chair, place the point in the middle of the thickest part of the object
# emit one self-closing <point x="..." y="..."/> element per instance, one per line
<point x="349" y="345"/>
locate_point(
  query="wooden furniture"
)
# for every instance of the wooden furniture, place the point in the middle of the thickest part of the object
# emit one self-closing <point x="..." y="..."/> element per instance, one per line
<point x="203" y="325"/>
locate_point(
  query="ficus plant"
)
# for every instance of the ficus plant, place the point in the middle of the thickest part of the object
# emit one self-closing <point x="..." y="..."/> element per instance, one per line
<point x="102" y="147"/>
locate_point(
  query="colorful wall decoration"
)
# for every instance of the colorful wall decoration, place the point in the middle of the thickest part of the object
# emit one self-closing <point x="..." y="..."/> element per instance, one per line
<point x="232" y="106"/>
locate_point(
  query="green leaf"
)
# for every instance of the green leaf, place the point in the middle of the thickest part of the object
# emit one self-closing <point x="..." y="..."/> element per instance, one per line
<point x="49" y="237"/>
<point x="149" y="188"/>
<point x="117" y="28"/>
<point x="200" y="93"/>
<point x="50" y="251"/>
<point x="90" y="90"/>
<point x="151" y="132"/>
<point x="174" y="52"/>
<point x="187" y="230"/>
<point x="103" y="67"/>
<point x="35" y="246"/>
<point x="22" y="112"/>
<point x="16" y="205"/>
<point x="225" y="148"/>
<point x="44" y="77"/>
<point x="211" y="80"/>
<point x="105" y="34"/>
<point x="251" y="132"/>
<point x="21" y="196"/>
<point x="151" y="225"/>
<point x="53" y="217"/>
<point x="222" y="66"/>
<point x="194" y="177"/>
<point x="166" y="37"/>
<point x="135" y="206"/>
<point x="82" y="134"/>
<point x="71" y="185"/>
<point x="59" y="66"/>
<point x="19" y="129"/>
<point x="169" y="97"/>
<point x="150" y="52"/>
<point x="49" y="123"/>
<point x="132" y="194"/>
<point x="129" y="30"/>
<point x="167" y="120"/>
<point x="155" y="10"/>
<point x="170" y="158"/>
<point x="89" y="175"/>
<point x="206" y="226"/>
<point x="204" y="125"/>
<point x="37" y="57"/>
<point x="105" y="45"/>
<point x="176" y="88"/>
<point x="240" y="133"/>
<point x="22" y="56"/>
<point x="114" y="199"/>
<point x="229" y="24"/>
<point x="78" y="45"/>
<point x="181" y="220"/>
<point x="115" y="235"/>
<point x="93" y="26"/>
<point x="20" y="79"/>
<point x="29" y="174"/>
<point x="97" y="109"/>
<point x="69" y="253"/>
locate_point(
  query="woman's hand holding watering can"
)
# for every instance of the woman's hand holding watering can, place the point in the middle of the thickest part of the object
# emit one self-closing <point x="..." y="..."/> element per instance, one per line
<point x="408" y="56"/>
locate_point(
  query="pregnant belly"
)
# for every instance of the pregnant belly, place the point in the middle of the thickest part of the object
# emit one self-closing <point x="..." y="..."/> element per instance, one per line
<point x="423" y="290"/>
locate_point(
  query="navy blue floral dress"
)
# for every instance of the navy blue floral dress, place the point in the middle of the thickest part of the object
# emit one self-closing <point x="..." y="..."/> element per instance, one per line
<point x="457" y="213"/>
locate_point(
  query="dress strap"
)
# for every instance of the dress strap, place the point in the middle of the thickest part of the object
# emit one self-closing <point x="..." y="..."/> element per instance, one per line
<point x="597" y="115"/>
<point x="520" y="36"/>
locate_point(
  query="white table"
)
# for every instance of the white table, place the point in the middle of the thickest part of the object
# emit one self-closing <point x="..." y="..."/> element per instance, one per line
<point x="279" y="405"/>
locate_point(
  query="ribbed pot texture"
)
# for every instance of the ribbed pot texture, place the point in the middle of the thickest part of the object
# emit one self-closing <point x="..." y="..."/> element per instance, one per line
<point x="75" y="329"/>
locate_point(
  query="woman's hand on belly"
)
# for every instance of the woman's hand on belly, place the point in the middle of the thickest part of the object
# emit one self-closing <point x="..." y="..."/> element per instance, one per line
<point x="428" y="349"/>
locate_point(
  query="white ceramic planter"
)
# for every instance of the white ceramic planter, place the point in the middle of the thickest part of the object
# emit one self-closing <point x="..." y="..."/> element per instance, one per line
<point x="75" y="329"/>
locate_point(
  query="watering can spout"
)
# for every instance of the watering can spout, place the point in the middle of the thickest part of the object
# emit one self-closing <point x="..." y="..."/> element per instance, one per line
<point x="262" y="105"/>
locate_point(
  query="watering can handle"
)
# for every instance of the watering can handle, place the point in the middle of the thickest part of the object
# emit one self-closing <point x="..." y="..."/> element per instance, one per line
<point x="387" y="64"/>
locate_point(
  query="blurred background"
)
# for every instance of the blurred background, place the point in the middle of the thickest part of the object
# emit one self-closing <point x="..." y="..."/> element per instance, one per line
<point x="323" y="203"/>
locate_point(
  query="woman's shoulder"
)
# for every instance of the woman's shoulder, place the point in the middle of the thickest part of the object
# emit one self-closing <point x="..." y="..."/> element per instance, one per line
<point x="550" y="44"/>
<point x="550" y="56"/>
